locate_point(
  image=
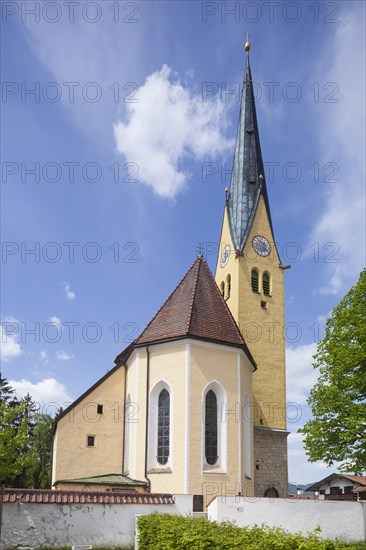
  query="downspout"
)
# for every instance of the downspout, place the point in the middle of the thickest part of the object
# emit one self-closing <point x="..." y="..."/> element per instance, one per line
<point x="124" y="422"/>
<point x="147" y="412"/>
<point x="54" y="428"/>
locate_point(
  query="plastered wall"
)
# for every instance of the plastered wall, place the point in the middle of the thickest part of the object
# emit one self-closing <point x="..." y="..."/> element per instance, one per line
<point x="345" y="520"/>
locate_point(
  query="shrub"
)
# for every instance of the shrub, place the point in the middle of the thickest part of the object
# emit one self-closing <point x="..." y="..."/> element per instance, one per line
<point x="169" y="532"/>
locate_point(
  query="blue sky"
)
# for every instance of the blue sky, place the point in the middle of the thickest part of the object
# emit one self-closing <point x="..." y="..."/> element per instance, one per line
<point x="128" y="91"/>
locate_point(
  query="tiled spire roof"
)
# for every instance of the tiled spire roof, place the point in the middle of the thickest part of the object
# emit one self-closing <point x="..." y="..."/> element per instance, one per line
<point x="248" y="181"/>
<point x="195" y="308"/>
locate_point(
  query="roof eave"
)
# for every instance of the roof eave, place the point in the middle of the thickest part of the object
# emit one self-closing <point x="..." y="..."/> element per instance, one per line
<point x="243" y="347"/>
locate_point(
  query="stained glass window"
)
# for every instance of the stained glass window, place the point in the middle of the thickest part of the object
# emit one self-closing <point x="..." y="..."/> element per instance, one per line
<point x="163" y="426"/>
<point x="211" y="428"/>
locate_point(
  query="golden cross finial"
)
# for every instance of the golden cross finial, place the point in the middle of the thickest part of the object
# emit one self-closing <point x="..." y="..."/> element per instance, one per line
<point x="247" y="43"/>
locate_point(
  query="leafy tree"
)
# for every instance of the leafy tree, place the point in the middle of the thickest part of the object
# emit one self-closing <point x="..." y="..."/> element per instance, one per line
<point x="41" y="446"/>
<point x="338" y="400"/>
<point x="13" y="438"/>
<point x="25" y="441"/>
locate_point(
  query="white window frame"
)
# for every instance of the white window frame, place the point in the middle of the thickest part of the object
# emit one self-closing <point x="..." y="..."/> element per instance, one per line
<point x="221" y="464"/>
<point x="152" y="461"/>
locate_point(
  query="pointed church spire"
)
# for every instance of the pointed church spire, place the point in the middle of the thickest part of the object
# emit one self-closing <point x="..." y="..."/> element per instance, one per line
<point x="248" y="179"/>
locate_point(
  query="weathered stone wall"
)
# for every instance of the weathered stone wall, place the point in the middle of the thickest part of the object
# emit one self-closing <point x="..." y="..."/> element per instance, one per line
<point x="270" y="461"/>
<point x="38" y="525"/>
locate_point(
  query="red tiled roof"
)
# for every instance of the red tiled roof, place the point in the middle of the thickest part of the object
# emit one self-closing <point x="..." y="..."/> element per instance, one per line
<point x="356" y="479"/>
<point x="360" y="489"/>
<point x="41" y="496"/>
<point x="195" y="308"/>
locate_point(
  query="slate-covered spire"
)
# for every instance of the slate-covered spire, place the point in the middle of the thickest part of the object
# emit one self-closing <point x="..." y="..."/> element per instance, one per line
<point x="248" y="180"/>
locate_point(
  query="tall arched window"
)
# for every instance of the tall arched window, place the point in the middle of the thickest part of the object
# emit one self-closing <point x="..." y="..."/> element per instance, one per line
<point x="222" y="288"/>
<point x="163" y="427"/>
<point x="228" y="283"/>
<point x="211" y="428"/>
<point x="266" y="283"/>
<point x="255" y="281"/>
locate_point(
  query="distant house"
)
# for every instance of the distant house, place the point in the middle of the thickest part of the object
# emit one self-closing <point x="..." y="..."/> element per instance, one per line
<point x="340" y="487"/>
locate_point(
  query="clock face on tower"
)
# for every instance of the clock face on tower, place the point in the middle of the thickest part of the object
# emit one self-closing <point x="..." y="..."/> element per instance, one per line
<point x="261" y="245"/>
<point x="225" y="256"/>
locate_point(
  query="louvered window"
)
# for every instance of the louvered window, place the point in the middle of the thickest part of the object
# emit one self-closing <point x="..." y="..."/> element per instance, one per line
<point x="266" y="284"/>
<point x="163" y="426"/>
<point x="228" y="282"/>
<point x="211" y="428"/>
<point x="255" y="285"/>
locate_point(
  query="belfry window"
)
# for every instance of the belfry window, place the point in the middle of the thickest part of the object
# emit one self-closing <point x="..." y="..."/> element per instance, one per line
<point x="228" y="283"/>
<point x="163" y="427"/>
<point x="266" y="283"/>
<point x="211" y="434"/>
<point x="255" y="281"/>
<point x="222" y="288"/>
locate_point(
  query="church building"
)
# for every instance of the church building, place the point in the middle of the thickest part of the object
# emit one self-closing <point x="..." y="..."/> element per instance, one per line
<point x="197" y="403"/>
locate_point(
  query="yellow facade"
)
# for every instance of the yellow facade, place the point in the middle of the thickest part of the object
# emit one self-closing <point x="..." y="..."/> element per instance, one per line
<point x="260" y="317"/>
<point x="72" y="458"/>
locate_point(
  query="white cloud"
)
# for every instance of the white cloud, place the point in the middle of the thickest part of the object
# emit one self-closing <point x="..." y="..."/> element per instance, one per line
<point x="49" y="392"/>
<point x="301" y="376"/>
<point x="9" y="345"/>
<point x="167" y="124"/>
<point x="43" y="356"/>
<point x="56" y="320"/>
<point x="341" y="134"/>
<point x="63" y="356"/>
<point x="70" y="295"/>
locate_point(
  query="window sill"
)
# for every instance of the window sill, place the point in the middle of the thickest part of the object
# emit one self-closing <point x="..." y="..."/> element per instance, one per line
<point x="160" y="470"/>
<point x="215" y="469"/>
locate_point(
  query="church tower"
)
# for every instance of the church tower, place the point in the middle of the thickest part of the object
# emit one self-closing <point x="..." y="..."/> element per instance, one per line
<point x="249" y="274"/>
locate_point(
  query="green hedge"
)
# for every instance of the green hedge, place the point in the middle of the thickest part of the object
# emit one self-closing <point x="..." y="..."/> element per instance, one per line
<point x="168" y="532"/>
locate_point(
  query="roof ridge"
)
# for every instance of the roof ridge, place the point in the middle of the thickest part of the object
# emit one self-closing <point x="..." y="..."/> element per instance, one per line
<point x="194" y="293"/>
<point x="163" y="304"/>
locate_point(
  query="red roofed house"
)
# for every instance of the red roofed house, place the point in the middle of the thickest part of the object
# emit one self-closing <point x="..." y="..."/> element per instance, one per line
<point x="340" y="487"/>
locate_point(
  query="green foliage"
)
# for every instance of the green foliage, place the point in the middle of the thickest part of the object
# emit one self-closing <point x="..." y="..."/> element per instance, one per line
<point x="38" y="473"/>
<point x="13" y="439"/>
<point x="338" y="399"/>
<point x="168" y="532"/>
<point x="42" y="446"/>
<point x="25" y="441"/>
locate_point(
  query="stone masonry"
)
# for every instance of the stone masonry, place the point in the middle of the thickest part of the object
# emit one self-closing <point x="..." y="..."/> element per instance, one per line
<point x="270" y="461"/>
